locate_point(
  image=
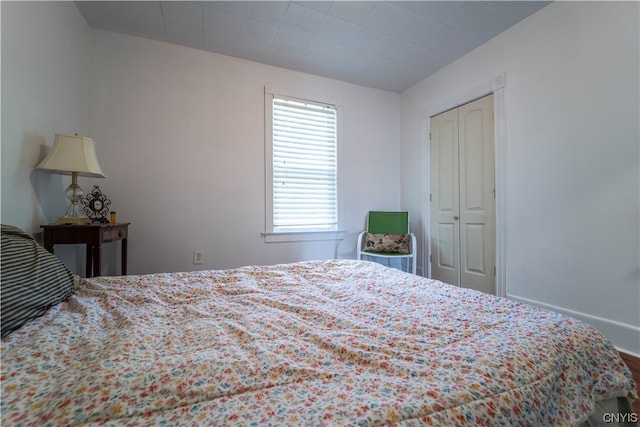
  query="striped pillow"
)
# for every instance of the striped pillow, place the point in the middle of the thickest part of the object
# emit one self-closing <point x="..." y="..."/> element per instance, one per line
<point x="32" y="280"/>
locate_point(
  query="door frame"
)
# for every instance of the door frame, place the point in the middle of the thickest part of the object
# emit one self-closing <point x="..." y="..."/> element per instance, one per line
<point x="496" y="86"/>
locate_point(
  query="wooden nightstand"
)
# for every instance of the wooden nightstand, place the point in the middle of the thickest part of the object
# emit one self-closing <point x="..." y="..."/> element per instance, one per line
<point x="93" y="235"/>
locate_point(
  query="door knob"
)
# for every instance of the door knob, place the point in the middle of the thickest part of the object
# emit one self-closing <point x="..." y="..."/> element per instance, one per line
<point x="456" y="217"/>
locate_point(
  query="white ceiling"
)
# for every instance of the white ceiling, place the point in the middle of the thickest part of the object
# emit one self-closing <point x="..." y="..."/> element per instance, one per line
<point x="388" y="45"/>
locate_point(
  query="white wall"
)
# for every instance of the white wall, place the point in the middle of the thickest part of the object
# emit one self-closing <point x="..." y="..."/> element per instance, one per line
<point x="572" y="172"/>
<point x="45" y="90"/>
<point x="181" y="139"/>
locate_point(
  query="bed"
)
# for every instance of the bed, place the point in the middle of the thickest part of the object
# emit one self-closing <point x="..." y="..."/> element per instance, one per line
<point x="328" y="342"/>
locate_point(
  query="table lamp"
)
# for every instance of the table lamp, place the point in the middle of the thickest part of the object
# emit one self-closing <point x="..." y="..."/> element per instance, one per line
<point x="73" y="155"/>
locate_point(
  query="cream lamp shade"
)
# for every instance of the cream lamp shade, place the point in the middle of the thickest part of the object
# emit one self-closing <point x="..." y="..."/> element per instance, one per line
<point x="73" y="155"/>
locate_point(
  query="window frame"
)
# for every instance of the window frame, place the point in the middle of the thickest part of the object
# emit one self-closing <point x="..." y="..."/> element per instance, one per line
<point x="272" y="235"/>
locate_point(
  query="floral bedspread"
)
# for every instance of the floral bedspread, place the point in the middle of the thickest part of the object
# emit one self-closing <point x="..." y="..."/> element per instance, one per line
<point x="334" y="342"/>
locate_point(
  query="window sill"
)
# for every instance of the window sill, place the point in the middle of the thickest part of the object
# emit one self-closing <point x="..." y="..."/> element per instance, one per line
<point x="302" y="236"/>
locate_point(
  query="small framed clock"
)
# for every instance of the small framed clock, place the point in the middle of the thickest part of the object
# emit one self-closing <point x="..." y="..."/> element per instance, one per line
<point x="96" y="205"/>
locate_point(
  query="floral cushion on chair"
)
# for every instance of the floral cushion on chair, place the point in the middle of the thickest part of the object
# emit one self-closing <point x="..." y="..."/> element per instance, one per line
<point x="387" y="243"/>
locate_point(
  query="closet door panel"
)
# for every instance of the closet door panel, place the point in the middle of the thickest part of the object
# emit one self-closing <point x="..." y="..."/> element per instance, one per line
<point x="445" y="198"/>
<point x="477" y="213"/>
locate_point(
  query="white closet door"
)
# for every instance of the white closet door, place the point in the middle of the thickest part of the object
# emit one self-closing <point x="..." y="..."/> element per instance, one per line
<point x="477" y="201"/>
<point x="463" y="200"/>
<point x="445" y="198"/>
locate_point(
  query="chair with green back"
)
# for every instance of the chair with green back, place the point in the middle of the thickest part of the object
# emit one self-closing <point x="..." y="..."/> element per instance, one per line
<point x="388" y="240"/>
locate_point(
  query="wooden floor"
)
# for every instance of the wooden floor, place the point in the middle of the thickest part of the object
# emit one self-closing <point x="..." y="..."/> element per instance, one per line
<point x="634" y="364"/>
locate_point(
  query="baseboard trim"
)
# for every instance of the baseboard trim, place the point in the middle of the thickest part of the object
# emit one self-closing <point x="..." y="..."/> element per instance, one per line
<point x="625" y="337"/>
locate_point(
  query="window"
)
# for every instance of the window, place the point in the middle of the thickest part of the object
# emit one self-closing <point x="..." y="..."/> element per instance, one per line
<point x="302" y="165"/>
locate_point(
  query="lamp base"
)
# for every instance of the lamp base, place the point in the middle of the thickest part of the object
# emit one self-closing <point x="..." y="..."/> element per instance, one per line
<point x="72" y="220"/>
<point x="74" y="215"/>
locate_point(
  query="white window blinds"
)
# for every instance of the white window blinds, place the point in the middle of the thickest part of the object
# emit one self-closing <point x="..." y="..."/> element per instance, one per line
<point x="305" y="195"/>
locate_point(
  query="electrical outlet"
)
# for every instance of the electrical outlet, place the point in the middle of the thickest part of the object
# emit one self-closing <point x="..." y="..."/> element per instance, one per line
<point x="198" y="256"/>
